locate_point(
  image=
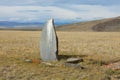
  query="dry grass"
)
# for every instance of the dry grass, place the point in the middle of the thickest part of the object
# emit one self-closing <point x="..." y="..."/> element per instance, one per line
<point x="94" y="47"/>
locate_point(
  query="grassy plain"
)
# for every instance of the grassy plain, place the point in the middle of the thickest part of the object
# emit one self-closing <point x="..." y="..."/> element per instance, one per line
<point x="96" y="48"/>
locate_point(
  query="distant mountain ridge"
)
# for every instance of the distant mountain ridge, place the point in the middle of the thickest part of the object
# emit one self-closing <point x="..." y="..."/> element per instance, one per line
<point x="25" y="25"/>
<point x="14" y="24"/>
<point x="104" y="25"/>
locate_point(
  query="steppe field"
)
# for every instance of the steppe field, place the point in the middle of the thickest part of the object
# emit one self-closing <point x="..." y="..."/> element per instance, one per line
<point x="97" y="49"/>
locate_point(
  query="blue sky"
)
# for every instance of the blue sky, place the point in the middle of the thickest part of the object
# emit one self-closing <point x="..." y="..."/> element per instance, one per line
<point x="60" y="10"/>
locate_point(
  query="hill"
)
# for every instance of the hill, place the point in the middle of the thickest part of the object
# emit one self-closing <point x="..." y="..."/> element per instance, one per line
<point x="109" y="25"/>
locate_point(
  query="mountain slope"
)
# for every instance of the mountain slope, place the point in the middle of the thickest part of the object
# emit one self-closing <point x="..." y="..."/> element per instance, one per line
<point x="111" y="24"/>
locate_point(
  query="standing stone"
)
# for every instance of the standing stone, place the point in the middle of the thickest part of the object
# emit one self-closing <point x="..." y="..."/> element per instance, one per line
<point x="49" y="42"/>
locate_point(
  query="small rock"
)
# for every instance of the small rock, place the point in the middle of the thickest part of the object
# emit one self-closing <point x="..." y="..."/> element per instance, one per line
<point x="48" y="64"/>
<point x="32" y="60"/>
<point x="74" y="60"/>
<point x="28" y="60"/>
<point x="73" y="65"/>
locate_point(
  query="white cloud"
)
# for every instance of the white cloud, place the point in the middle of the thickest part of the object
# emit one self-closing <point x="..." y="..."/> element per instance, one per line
<point x="67" y="13"/>
<point x="35" y="12"/>
<point x="88" y="12"/>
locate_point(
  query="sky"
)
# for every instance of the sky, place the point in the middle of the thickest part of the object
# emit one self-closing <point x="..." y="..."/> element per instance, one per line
<point x="60" y="10"/>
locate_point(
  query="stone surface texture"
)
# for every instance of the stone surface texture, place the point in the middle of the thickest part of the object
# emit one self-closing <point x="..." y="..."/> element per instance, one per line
<point x="49" y="42"/>
<point x="74" y="60"/>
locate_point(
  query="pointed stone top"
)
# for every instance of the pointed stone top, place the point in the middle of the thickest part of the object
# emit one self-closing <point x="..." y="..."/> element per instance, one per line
<point x="51" y="20"/>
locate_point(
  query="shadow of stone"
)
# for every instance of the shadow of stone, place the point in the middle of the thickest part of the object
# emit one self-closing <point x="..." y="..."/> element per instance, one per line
<point x="64" y="57"/>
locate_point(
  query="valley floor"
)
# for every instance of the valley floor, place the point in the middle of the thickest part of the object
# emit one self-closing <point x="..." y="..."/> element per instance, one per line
<point x="97" y="49"/>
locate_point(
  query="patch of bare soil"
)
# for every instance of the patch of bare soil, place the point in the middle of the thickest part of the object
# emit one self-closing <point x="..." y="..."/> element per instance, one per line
<point x="113" y="66"/>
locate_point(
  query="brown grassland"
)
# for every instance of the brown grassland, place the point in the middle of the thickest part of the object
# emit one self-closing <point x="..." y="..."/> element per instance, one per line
<point x="96" y="48"/>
